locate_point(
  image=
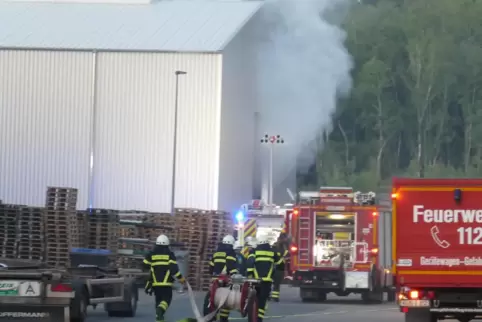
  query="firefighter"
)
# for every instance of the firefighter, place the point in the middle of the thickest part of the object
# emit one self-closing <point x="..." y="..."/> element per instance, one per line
<point x="223" y="261"/>
<point x="163" y="267"/>
<point x="250" y="246"/>
<point x="280" y="270"/>
<point x="240" y="258"/>
<point x="262" y="265"/>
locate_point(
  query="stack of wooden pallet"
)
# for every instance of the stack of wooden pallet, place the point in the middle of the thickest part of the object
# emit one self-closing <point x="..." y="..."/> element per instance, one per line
<point x="132" y="247"/>
<point x="159" y="223"/>
<point x="8" y="230"/>
<point x="79" y="229"/>
<point x="219" y="225"/>
<point x="201" y="232"/>
<point x="61" y="204"/>
<point x="191" y="232"/>
<point x="30" y="233"/>
<point x="103" y="230"/>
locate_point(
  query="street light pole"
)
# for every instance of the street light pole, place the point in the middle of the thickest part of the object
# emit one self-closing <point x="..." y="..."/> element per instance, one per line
<point x="177" y="73"/>
<point x="272" y="140"/>
<point x="270" y="192"/>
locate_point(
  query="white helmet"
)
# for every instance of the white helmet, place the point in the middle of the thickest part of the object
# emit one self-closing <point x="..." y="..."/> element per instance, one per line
<point x="162" y="240"/>
<point x="251" y="242"/>
<point x="237" y="245"/>
<point x="263" y="240"/>
<point x="228" y="240"/>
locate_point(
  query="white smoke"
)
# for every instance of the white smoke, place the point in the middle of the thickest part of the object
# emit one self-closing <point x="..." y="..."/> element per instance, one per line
<point x="303" y="67"/>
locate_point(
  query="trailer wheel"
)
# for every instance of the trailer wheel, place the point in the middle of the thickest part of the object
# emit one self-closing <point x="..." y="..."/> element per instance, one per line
<point x="129" y="305"/>
<point x="80" y="302"/>
<point x="134" y="298"/>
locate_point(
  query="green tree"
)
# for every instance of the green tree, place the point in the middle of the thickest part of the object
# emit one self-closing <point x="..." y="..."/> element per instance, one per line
<point x="416" y="105"/>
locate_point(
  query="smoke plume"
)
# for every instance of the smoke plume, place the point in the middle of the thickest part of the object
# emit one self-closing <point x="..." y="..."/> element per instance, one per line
<point x="303" y="68"/>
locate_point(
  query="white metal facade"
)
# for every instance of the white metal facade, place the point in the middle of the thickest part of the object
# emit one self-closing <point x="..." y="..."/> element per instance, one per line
<point x="134" y="131"/>
<point x="98" y="114"/>
<point x="238" y="130"/>
<point x="45" y="116"/>
<point x="58" y="106"/>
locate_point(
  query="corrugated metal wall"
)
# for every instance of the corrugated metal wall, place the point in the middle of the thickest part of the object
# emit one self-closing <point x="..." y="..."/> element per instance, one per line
<point x="238" y="122"/>
<point x="45" y="115"/>
<point x="134" y="131"/>
<point x="51" y="103"/>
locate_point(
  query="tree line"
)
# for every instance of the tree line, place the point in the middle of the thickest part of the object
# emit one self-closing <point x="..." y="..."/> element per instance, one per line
<point x="416" y="105"/>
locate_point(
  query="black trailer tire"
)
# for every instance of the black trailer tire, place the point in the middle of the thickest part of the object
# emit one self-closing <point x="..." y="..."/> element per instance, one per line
<point x="80" y="302"/>
<point x="129" y="305"/>
<point x="133" y="300"/>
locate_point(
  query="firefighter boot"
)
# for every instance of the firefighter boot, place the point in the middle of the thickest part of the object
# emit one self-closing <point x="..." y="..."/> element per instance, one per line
<point x="224" y="315"/>
<point x="159" y="314"/>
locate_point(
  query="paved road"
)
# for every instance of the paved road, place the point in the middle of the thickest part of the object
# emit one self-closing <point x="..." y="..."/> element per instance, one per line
<point x="335" y="309"/>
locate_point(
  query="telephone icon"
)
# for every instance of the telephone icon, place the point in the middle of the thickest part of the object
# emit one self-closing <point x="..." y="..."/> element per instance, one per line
<point x="435" y="235"/>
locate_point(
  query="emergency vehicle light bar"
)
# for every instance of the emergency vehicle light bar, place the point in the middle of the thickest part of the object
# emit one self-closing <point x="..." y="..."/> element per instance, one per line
<point x="364" y="198"/>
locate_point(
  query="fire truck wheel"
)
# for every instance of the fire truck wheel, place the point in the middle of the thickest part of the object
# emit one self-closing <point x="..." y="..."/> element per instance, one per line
<point x="375" y="295"/>
<point x="308" y="295"/>
<point x="391" y="296"/>
<point x="321" y="297"/>
<point x="419" y="316"/>
<point x="252" y="309"/>
<point x="463" y="318"/>
<point x="365" y="296"/>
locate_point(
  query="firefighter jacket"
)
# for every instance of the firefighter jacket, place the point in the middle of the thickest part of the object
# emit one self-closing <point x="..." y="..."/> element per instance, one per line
<point x="246" y="251"/>
<point x="243" y="259"/>
<point x="162" y="264"/>
<point x="282" y="254"/>
<point x="223" y="260"/>
<point x="241" y="263"/>
<point x="262" y="263"/>
<point x="249" y="251"/>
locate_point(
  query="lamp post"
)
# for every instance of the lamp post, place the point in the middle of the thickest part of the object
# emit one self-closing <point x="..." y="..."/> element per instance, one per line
<point x="177" y="73"/>
<point x="271" y="141"/>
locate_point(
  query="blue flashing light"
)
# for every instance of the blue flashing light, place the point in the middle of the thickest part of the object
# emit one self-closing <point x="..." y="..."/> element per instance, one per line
<point x="240" y="216"/>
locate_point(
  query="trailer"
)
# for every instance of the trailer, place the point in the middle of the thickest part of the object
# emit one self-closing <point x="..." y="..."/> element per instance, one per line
<point x="437" y="237"/>
<point x="33" y="292"/>
<point x="337" y="242"/>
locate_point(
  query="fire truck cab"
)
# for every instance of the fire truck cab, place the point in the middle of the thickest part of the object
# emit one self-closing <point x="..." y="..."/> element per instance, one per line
<point x="336" y="244"/>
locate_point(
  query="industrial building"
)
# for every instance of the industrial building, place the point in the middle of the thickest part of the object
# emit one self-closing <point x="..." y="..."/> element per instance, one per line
<point x="87" y="100"/>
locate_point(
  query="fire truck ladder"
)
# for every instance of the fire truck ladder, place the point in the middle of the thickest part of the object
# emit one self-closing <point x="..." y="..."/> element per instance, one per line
<point x="305" y="232"/>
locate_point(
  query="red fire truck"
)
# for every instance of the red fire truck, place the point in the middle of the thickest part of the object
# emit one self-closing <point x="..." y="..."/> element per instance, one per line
<point x="336" y="246"/>
<point x="437" y="235"/>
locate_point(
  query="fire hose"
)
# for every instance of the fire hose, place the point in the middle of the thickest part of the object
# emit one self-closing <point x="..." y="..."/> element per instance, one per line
<point x="229" y="298"/>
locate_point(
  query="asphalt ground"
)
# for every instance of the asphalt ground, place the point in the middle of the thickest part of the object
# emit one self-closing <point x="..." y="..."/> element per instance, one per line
<point x="290" y="308"/>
